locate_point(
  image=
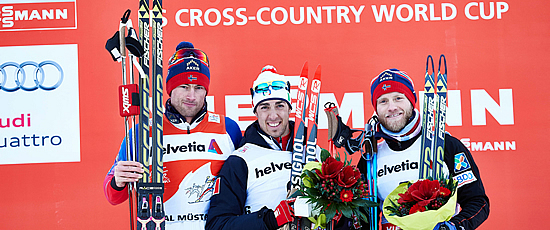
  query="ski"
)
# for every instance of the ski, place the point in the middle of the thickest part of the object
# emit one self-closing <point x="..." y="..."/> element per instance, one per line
<point x="299" y="130"/>
<point x="440" y="119"/>
<point x="427" y="122"/>
<point x="156" y="187"/>
<point x="313" y="112"/>
<point x="311" y="123"/>
<point x="143" y="202"/>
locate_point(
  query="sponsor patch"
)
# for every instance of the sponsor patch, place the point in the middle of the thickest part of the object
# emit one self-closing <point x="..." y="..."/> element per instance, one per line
<point x="214" y="148"/>
<point x="216" y="186"/>
<point x="465" y="178"/>
<point x="214" y="118"/>
<point x="243" y="149"/>
<point x="461" y="162"/>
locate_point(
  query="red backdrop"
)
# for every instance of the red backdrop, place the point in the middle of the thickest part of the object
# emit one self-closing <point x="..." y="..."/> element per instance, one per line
<point x="495" y="66"/>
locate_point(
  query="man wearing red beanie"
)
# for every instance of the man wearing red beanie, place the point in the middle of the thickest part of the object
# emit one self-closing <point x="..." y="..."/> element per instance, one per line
<point x="191" y="163"/>
<point x="394" y="100"/>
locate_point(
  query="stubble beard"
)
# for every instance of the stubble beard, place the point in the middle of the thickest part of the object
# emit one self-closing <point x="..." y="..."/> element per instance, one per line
<point x="396" y="126"/>
<point x="186" y="111"/>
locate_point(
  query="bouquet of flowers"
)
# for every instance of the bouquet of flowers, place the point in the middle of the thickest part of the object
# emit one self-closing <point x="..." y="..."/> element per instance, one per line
<point x="422" y="204"/>
<point x="336" y="189"/>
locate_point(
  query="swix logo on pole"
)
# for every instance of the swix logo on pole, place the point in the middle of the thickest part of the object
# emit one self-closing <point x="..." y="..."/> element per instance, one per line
<point x="129" y="100"/>
<point x="38" y="16"/>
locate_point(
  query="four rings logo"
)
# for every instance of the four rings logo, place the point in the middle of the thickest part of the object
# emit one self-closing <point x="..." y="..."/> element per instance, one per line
<point x="38" y="75"/>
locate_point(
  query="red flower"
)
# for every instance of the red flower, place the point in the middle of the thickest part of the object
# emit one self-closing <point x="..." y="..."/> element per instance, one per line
<point x="423" y="192"/>
<point x="444" y="192"/>
<point x="405" y="197"/>
<point x="330" y="168"/>
<point x="417" y="208"/>
<point x="348" y="177"/>
<point x="346" y="195"/>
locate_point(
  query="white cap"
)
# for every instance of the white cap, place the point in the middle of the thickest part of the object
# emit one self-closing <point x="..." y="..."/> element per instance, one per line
<point x="268" y="75"/>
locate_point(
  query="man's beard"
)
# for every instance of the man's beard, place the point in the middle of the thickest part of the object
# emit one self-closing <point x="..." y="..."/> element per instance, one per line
<point x="188" y="112"/>
<point x="396" y="126"/>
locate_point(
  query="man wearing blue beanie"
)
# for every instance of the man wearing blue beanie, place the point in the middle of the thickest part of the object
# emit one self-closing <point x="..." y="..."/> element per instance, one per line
<point x="393" y="98"/>
<point x="191" y="162"/>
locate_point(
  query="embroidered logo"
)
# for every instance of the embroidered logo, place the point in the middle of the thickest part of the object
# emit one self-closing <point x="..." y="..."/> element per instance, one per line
<point x="465" y="178"/>
<point x="461" y="162"/>
<point x="214" y="118"/>
<point x="214" y="148"/>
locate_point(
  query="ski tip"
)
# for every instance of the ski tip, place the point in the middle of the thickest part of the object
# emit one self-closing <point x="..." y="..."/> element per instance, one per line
<point x="318" y="70"/>
<point x="304" y="70"/>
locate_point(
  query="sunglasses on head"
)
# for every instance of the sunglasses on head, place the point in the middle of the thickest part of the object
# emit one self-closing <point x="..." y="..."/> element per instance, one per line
<point x="189" y="53"/>
<point x="275" y="85"/>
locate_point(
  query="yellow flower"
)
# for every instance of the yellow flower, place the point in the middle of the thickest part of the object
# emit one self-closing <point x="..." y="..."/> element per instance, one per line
<point x="312" y="165"/>
<point x="320" y="221"/>
<point x="307" y="182"/>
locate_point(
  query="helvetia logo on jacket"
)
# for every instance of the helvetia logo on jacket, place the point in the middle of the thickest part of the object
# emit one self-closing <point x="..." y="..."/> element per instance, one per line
<point x="190" y="147"/>
<point x="404" y="166"/>
<point x="272" y="168"/>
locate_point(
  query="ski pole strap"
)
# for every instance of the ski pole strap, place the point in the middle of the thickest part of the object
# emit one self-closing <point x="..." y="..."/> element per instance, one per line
<point x="444" y="62"/>
<point x="125" y="16"/>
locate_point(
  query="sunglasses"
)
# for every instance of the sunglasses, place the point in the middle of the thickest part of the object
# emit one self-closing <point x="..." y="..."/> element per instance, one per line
<point x="189" y="53"/>
<point x="275" y="85"/>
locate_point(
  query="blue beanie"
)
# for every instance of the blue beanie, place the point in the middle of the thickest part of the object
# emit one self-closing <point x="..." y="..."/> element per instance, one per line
<point x="187" y="70"/>
<point x="392" y="80"/>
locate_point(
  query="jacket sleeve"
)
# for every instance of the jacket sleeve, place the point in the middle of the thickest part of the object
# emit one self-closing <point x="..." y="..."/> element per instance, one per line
<point x="234" y="131"/>
<point x="114" y="194"/>
<point x="227" y="204"/>
<point x="473" y="201"/>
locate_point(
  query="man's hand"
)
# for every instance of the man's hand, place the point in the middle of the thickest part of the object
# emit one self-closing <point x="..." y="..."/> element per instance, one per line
<point x="284" y="212"/>
<point x="127" y="172"/>
<point x="446" y="225"/>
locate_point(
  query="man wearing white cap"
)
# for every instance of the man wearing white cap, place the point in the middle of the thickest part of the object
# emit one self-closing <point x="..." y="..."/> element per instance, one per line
<point x="252" y="186"/>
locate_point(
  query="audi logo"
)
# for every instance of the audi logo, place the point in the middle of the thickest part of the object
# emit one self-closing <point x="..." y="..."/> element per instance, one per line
<point x="38" y="75"/>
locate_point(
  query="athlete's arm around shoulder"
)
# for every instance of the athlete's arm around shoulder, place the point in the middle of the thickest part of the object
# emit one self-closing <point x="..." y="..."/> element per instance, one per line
<point x="228" y="201"/>
<point x="234" y="131"/>
<point x="471" y="193"/>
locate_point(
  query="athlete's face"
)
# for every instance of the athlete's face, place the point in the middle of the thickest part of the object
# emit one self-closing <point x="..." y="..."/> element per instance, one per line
<point x="394" y="110"/>
<point x="188" y="99"/>
<point x="273" y="117"/>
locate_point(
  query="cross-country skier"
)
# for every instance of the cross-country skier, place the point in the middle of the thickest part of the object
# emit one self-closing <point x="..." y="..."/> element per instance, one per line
<point x="253" y="181"/>
<point x="394" y="98"/>
<point x="190" y="160"/>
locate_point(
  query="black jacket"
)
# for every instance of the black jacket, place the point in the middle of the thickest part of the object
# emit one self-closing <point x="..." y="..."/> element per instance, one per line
<point x="227" y="209"/>
<point x="471" y="196"/>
